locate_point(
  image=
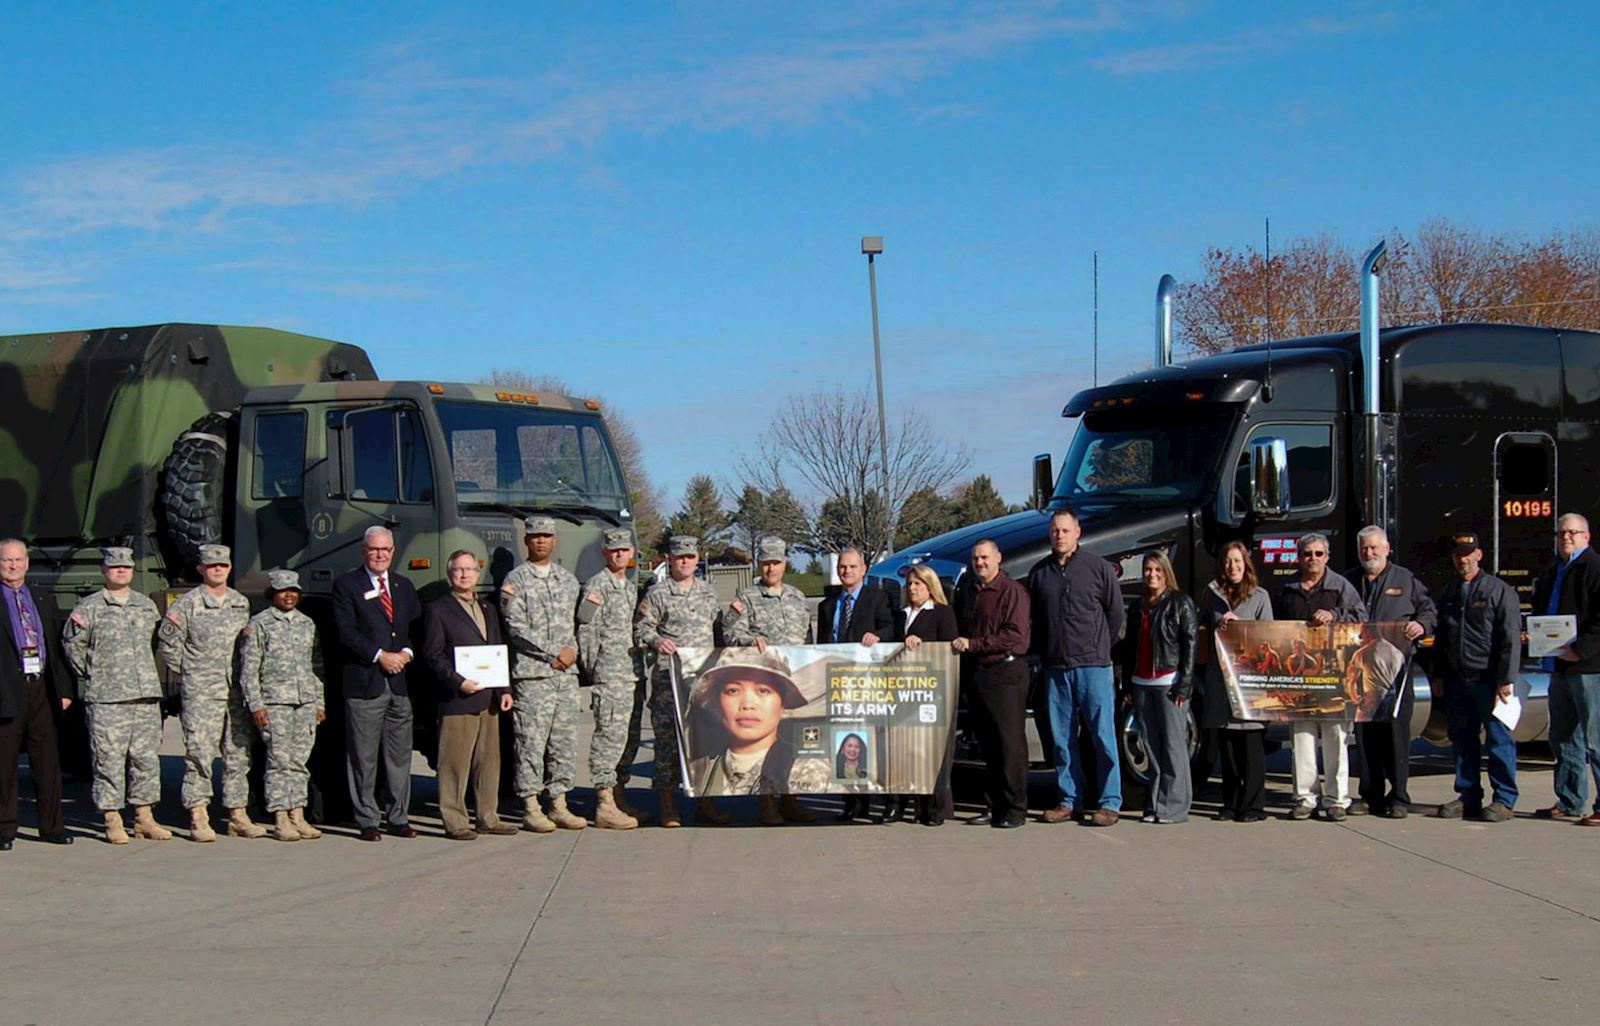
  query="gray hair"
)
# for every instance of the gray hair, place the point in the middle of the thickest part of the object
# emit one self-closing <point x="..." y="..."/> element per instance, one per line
<point x="1370" y="531"/>
<point x="1314" y="536"/>
<point x="13" y="541"/>
<point x="1574" y="516"/>
<point x="373" y="532"/>
<point x="848" y="549"/>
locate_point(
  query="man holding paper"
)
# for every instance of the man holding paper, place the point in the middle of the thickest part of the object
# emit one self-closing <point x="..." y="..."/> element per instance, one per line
<point x="1480" y="641"/>
<point x="1571" y="588"/>
<point x="456" y="627"/>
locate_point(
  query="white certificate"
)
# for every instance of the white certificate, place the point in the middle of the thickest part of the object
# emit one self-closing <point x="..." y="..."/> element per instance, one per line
<point x="485" y="664"/>
<point x="1546" y="634"/>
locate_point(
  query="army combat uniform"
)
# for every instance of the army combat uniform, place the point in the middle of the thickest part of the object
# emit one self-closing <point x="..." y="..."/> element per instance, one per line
<point x="539" y="604"/>
<point x="613" y="666"/>
<point x="278" y="672"/>
<point x="198" y="641"/>
<point x="685" y="614"/>
<point x="107" y="641"/>
<point x="779" y="614"/>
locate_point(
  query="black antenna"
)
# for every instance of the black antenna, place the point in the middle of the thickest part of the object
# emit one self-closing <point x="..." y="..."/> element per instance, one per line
<point x="1266" y="390"/>
<point x="1095" y="382"/>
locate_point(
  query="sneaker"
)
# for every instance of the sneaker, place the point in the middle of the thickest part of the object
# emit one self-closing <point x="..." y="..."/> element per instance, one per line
<point x="1148" y="817"/>
<point x="1335" y="813"/>
<point x="1301" y="811"/>
<point x="1252" y="817"/>
<point x="1494" y="812"/>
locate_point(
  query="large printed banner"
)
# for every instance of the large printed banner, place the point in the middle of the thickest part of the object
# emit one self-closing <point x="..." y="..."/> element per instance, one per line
<point x="1281" y="670"/>
<point x="815" y="719"/>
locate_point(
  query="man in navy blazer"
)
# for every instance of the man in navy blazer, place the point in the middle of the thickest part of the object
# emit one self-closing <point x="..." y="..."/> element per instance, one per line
<point x="375" y="616"/>
<point x="859" y="612"/>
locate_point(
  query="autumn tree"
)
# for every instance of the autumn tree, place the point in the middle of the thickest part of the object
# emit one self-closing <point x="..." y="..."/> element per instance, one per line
<point x="644" y="498"/>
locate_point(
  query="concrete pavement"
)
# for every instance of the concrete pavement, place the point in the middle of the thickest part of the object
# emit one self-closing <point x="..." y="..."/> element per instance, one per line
<point x="1403" y="921"/>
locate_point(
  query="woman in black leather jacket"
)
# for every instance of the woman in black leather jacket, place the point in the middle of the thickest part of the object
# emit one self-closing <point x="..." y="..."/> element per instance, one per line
<point x="1158" y="668"/>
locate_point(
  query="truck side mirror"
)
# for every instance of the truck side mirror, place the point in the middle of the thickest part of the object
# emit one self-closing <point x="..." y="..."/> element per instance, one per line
<point x="1043" y="481"/>
<point x="1269" y="477"/>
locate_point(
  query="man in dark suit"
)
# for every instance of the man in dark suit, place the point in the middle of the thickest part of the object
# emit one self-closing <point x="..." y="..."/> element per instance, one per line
<point x="469" y="724"/>
<point x="859" y="612"/>
<point x="35" y="685"/>
<point x="375" y="615"/>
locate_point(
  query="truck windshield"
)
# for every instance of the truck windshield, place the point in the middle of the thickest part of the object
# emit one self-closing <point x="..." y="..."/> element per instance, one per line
<point x="1143" y="454"/>
<point x="521" y="456"/>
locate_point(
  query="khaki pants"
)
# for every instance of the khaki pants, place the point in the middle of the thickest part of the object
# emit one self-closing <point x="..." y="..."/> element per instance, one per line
<point x="469" y="744"/>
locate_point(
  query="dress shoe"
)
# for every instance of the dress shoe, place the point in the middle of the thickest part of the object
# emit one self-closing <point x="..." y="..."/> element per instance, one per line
<point x="1252" y="817"/>
<point x="1226" y="814"/>
<point x="370" y="834"/>
<point x="403" y="830"/>
<point x="58" y="838"/>
<point x="981" y="819"/>
<point x="1300" y="812"/>
<point x="463" y="834"/>
<point x="1334" y="813"/>
<point x="1450" y="810"/>
<point x="1011" y="821"/>
<point x="1590" y="820"/>
<point x="894" y="810"/>
<point x="1398" y="810"/>
<point x="1555" y="812"/>
<point x="1104" y="817"/>
<point x="1059" y="814"/>
<point x="1358" y="808"/>
<point x="499" y="829"/>
<point x="5" y="844"/>
<point x="933" y="819"/>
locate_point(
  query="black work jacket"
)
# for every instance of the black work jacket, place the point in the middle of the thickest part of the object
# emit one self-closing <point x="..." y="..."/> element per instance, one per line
<point x="1173" y="627"/>
<point x="1480" y="632"/>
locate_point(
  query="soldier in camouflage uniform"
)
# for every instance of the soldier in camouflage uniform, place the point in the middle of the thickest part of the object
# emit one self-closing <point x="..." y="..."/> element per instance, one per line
<point x="198" y="641"/>
<point x="613" y="668"/>
<point x="770" y="612"/>
<point x="539" y="601"/>
<point x="107" y="641"/>
<point x="279" y="664"/>
<point x="682" y="609"/>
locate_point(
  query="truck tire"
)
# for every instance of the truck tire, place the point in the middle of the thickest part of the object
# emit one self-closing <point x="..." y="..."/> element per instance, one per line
<point x="193" y="486"/>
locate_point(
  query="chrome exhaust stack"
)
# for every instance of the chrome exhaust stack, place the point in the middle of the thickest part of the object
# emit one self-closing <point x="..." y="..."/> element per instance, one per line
<point x="1164" y="292"/>
<point x="1371" y="267"/>
<point x="1379" y="460"/>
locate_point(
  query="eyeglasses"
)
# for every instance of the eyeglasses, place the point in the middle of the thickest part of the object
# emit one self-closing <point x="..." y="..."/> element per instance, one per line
<point x="463" y="569"/>
<point x="1313" y="555"/>
<point x="1574" y="533"/>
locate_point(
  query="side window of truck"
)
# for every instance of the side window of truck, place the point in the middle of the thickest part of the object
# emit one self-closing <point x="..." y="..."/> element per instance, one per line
<point x="277" y="456"/>
<point x="1310" y="465"/>
<point x="388" y="455"/>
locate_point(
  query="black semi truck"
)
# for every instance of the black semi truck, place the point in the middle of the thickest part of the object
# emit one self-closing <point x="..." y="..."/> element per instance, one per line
<point x="1424" y="430"/>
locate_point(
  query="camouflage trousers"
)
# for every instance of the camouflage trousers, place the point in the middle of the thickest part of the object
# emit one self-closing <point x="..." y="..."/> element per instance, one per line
<point x="668" y="771"/>
<point x="612" y="705"/>
<point x="545" y="718"/>
<point x="213" y="728"/>
<point x="289" y="734"/>
<point x="124" y="742"/>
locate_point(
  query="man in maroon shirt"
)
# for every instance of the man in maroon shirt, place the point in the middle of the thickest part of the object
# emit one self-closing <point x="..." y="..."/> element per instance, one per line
<point x="993" y="615"/>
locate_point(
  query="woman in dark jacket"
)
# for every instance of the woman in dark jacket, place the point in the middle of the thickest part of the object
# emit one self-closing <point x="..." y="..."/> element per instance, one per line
<point x="925" y="617"/>
<point x="1159" y="669"/>
<point x="1235" y="595"/>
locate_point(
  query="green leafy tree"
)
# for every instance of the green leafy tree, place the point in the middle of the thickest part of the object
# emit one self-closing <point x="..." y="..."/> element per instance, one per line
<point x="701" y="515"/>
<point x="977" y="501"/>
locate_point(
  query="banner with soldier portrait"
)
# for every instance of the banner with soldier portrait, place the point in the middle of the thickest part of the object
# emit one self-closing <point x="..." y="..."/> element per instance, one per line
<point x="814" y="719"/>
<point x="1281" y="670"/>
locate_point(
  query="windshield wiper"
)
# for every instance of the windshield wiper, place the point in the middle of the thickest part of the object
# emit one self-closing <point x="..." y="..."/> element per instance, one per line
<point x="571" y="513"/>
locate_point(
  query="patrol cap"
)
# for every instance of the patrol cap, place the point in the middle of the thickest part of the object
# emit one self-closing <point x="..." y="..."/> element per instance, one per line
<point x="683" y="545"/>
<point x="747" y="664"/>
<point x="215" y="555"/>
<point x="283" y="580"/>
<point x="617" y="538"/>
<point x="1463" y="542"/>
<point x="115" y="556"/>
<point x="539" y="525"/>
<point x="771" y="548"/>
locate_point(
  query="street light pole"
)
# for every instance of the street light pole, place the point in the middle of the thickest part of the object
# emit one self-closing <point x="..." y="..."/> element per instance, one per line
<point x="872" y="245"/>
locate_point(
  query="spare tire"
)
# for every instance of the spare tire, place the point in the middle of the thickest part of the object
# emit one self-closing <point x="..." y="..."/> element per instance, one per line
<point x="194" y="485"/>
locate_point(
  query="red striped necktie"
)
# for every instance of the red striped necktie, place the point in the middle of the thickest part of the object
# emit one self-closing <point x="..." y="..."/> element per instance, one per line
<point x="384" y="597"/>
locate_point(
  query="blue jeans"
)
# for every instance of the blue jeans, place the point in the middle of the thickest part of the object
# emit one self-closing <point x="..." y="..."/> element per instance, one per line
<point x="1085" y="694"/>
<point x="1469" y="705"/>
<point x="1575" y="737"/>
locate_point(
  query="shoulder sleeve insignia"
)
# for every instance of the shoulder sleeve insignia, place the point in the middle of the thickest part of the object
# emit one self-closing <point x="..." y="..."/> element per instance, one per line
<point x="736" y="606"/>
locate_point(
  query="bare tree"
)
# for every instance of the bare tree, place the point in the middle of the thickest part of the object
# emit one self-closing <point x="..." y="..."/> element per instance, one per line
<point x="828" y="441"/>
<point x="644" y="498"/>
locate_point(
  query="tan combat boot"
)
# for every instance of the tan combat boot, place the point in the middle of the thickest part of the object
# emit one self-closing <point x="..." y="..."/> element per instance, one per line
<point x="283" y="828"/>
<point x="306" y="831"/>
<point x="200" y="825"/>
<point x="145" y="825"/>
<point x="564" y="817"/>
<point x="769" y="815"/>
<point x="239" y="825"/>
<point x="607" y="816"/>
<point x="115" y="832"/>
<point x="706" y="811"/>
<point x="669" y="809"/>
<point x="619" y="796"/>
<point x="533" y="817"/>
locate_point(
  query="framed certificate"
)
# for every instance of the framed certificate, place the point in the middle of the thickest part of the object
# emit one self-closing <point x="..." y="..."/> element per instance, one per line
<point x="486" y="664"/>
<point x="1546" y="634"/>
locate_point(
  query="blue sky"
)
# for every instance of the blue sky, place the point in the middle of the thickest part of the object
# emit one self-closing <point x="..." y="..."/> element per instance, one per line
<point x="664" y="204"/>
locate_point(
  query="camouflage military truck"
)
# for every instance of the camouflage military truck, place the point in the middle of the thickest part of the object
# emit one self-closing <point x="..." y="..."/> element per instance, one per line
<point x="286" y="447"/>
